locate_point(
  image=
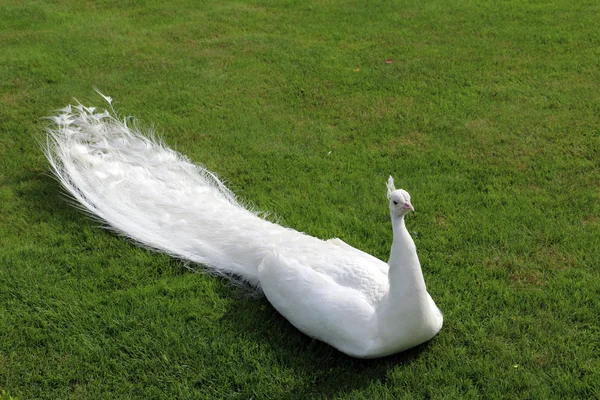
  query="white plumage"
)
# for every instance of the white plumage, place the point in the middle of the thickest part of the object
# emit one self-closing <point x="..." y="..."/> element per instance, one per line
<point x="326" y="288"/>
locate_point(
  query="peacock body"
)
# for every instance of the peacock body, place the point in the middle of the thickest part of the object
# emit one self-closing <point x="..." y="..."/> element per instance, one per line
<point x="327" y="289"/>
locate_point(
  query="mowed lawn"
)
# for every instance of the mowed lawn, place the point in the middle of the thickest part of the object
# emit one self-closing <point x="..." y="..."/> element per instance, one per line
<point x="487" y="112"/>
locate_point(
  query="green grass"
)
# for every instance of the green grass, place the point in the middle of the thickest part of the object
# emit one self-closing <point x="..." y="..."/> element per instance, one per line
<point x="488" y="116"/>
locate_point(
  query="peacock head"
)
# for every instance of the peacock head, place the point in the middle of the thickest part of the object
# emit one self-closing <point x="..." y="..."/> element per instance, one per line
<point x="399" y="199"/>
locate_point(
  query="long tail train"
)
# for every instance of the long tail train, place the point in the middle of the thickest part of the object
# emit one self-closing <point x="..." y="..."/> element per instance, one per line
<point x="152" y="194"/>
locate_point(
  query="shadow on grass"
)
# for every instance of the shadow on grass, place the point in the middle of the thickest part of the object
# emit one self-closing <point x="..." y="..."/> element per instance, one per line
<point x="41" y="193"/>
<point x="326" y="371"/>
<point x="330" y="372"/>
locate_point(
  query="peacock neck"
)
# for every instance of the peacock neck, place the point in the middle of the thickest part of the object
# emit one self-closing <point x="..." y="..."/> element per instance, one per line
<point x="405" y="275"/>
<point x="407" y="315"/>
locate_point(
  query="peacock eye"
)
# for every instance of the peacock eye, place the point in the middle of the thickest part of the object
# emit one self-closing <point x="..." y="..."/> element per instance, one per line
<point x="395" y="203"/>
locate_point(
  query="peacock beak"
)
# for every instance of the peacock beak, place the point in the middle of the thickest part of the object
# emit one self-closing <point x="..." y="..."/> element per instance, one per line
<point x="409" y="206"/>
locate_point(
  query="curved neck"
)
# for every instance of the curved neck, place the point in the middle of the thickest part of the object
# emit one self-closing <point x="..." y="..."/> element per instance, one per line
<point x="407" y="312"/>
<point x="405" y="275"/>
